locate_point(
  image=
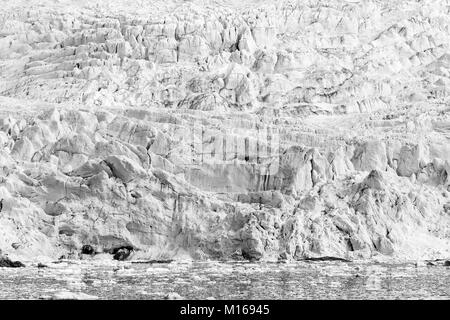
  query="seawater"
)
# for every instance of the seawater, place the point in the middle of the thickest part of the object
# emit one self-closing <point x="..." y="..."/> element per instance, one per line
<point x="230" y="280"/>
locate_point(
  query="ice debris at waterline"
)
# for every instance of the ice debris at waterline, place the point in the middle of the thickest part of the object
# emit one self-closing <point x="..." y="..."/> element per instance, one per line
<point x="225" y="129"/>
<point x="236" y="280"/>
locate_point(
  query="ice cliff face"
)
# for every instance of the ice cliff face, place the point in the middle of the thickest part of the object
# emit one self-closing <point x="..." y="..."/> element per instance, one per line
<point x="225" y="129"/>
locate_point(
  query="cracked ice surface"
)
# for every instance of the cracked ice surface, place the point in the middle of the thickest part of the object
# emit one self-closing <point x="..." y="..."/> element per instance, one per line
<point x="225" y="129"/>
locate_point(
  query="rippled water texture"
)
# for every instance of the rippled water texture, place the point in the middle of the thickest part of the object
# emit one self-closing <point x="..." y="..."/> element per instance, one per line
<point x="302" y="280"/>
